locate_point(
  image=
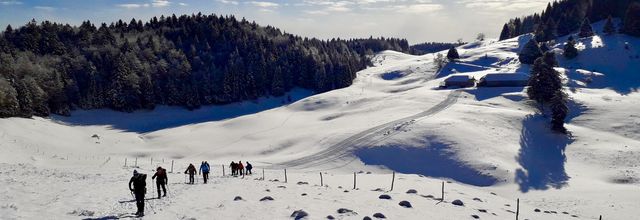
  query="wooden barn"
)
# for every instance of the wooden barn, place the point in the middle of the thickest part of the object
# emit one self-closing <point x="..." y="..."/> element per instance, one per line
<point x="459" y="81"/>
<point x="504" y="80"/>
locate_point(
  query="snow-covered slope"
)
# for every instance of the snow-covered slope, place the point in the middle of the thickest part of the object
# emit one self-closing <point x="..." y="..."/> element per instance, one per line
<point x="490" y="143"/>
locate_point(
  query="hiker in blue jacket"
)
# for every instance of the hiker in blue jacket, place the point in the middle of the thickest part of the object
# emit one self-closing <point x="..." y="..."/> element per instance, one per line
<point x="204" y="169"/>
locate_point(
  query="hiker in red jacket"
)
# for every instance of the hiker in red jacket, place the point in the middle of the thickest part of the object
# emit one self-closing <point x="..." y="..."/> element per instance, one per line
<point x="162" y="180"/>
<point x="240" y="168"/>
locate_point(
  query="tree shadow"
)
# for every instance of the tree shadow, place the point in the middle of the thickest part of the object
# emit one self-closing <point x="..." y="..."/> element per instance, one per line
<point x="436" y="160"/>
<point x="541" y="156"/>
<point x="164" y="117"/>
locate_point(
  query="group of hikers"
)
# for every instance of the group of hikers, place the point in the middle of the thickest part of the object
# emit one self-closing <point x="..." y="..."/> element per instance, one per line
<point x="138" y="184"/>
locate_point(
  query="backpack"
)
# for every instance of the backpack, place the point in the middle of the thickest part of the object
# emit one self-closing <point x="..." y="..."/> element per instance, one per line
<point x="140" y="182"/>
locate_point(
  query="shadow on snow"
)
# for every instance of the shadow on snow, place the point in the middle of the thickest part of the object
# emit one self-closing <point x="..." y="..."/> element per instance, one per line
<point x="541" y="156"/>
<point x="435" y="161"/>
<point x="164" y="117"/>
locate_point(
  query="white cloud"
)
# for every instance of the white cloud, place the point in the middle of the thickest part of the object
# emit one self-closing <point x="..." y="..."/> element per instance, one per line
<point x="10" y="3"/>
<point x="263" y="4"/>
<point x="231" y="2"/>
<point x="503" y="5"/>
<point x="45" y="8"/>
<point x="153" y="3"/>
<point x="183" y="4"/>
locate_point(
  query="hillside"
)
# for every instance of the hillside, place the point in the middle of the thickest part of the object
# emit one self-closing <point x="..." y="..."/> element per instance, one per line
<point x="490" y="143"/>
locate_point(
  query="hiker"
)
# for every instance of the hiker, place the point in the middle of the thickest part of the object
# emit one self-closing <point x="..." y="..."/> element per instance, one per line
<point x="204" y="169"/>
<point x="240" y="168"/>
<point x="233" y="168"/>
<point x="249" y="167"/>
<point x="192" y="171"/>
<point x="138" y="185"/>
<point x="162" y="180"/>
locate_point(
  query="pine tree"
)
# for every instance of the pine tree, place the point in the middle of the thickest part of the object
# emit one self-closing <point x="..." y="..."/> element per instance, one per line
<point x="559" y="111"/>
<point x="570" y="50"/>
<point x="506" y="32"/>
<point x="609" y="27"/>
<point x="544" y="80"/>
<point x="585" y="29"/>
<point x="530" y="52"/>
<point x="453" y="54"/>
<point x="631" y="24"/>
<point x="550" y="30"/>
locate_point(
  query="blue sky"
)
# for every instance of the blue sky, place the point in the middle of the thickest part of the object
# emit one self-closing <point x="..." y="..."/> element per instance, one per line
<point x="415" y="20"/>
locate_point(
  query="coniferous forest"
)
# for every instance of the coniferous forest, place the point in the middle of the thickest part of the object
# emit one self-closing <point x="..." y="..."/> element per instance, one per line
<point x="566" y="16"/>
<point x="190" y="61"/>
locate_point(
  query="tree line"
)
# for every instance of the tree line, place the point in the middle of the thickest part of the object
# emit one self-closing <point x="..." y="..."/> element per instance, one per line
<point x="190" y="61"/>
<point x="566" y="16"/>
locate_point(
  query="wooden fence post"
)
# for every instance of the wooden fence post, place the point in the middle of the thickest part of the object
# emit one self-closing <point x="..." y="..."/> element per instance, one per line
<point x="600" y="217"/>
<point x="125" y="162"/>
<point x="354" y="180"/>
<point x="517" y="208"/>
<point x="321" y="183"/>
<point x="136" y="162"/>
<point x="393" y="179"/>
<point x="442" y="198"/>
<point x="222" y="170"/>
<point x="171" y="166"/>
<point x="262" y="174"/>
<point x="285" y="175"/>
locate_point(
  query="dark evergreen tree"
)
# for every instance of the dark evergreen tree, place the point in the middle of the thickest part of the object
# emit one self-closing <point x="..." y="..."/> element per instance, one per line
<point x="544" y="80"/>
<point x="453" y="54"/>
<point x="609" y="27"/>
<point x="505" y="33"/>
<point x="570" y="50"/>
<point x="586" y="30"/>
<point x="631" y="21"/>
<point x="530" y="52"/>
<point x="559" y="111"/>
<point x="544" y="47"/>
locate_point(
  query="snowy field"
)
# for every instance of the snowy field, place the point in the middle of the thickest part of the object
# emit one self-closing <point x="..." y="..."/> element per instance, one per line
<point x="490" y="145"/>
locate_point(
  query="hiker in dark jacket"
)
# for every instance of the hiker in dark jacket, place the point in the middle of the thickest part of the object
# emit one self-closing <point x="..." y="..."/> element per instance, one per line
<point x="249" y="167"/>
<point x="233" y="168"/>
<point x="192" y="172"/>
<point x="138" y="186"/>
<point x="204" y="169"/>
<point x="162" y="180"/>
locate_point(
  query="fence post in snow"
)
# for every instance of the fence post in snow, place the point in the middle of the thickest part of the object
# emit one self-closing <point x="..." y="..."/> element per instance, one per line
<point x="600" y="217"/>
<point x="321" y="183"/>
<point x="136" y="162"/>
<point x="125" y="162"/>
<point x="222" y="170"/>
<point x="152" y="161"/>
<point x="285" y="175"/>
<point x="442" y="198"/>
<point x="354" y="180"/>
<point x="393" y="179"/>
<point x="171" y="166"/>
<point x="262" y="174"/>
<point x="517" y="208"/>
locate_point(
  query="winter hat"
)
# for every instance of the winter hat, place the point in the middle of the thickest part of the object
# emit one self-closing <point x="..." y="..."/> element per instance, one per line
<point x="135" y="172"/>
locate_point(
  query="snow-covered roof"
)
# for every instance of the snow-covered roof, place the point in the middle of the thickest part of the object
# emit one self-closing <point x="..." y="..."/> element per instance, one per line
<point x="459" y="78"/>
<point x="506" y="77"/>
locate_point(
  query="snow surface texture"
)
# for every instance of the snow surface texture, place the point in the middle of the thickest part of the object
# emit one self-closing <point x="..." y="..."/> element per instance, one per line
<point x="490" y="144"/>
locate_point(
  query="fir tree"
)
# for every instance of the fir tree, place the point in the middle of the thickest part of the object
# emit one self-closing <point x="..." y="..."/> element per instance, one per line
<point x="585" y="29"/>
<point x="544" y="80"/>
<point x="609" y="27"/>
<point x="453" y="54"/>
<point x="570" y="50"/>
<point x="631" y="24"/>
<point x="505" y="33"/>
<point x="530" y="52"/>
<point x="559" y="111"/>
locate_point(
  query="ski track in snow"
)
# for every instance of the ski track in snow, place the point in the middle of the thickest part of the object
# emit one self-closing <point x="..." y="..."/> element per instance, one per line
<point x="363" y="139"/>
